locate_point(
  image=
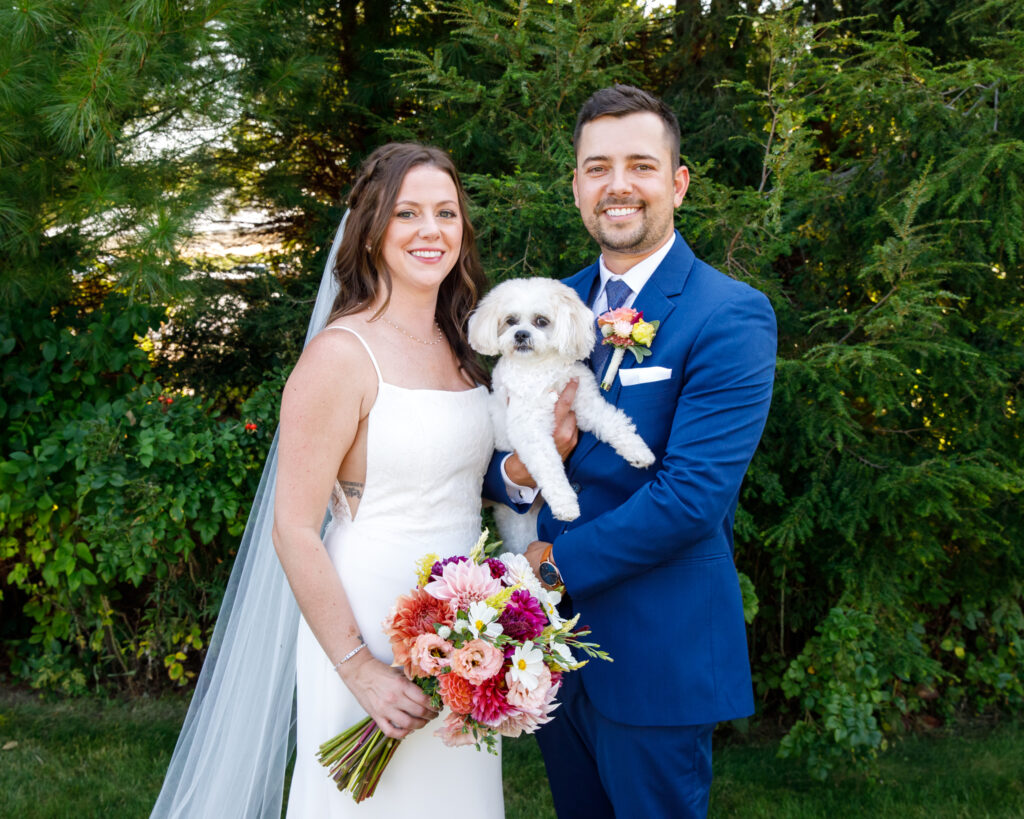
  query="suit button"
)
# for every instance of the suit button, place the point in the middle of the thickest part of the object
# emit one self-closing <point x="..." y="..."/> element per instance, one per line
<point x="575" y="487"/>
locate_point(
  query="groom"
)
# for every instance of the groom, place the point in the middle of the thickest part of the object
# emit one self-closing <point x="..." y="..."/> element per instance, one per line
<point x="649" y="562"/>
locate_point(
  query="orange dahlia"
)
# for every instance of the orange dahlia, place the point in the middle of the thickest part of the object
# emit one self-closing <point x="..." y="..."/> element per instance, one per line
<point x="456" y="693"/>
<point x="414" y="614"/>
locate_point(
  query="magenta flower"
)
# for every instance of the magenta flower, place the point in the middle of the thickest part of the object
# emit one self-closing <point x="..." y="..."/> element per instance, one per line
<point x="523" y="618"/>
<point x="438" y="568"/>
<point x="490" y="701"/>
<point x="496" y="566"/>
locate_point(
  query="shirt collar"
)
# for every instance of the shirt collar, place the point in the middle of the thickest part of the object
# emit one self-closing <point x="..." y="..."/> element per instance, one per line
<point x="636" y="277"/>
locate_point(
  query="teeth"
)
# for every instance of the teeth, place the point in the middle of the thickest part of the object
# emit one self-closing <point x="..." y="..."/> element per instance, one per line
<point x="426" y="254"/>
<point x="620" y="211"/>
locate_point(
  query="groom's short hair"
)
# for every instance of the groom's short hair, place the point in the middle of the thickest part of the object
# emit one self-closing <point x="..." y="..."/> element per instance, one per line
<point x="622" y="100"/>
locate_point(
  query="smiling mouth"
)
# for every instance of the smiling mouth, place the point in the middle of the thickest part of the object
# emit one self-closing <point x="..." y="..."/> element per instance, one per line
<point x="426" y="255"/>
<point x="619" y="211"/>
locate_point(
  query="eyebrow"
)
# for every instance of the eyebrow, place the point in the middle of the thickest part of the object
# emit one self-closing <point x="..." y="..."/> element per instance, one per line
<point x="633" y="157"/>
<point x="412" y="202"/>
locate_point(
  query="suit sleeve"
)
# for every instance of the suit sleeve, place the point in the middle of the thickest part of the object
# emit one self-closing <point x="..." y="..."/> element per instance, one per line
<point x="495" y="488"/>
<point x="717" y="423"/>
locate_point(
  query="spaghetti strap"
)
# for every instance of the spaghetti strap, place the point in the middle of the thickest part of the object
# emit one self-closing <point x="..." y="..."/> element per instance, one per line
<point x="369" y="352"/>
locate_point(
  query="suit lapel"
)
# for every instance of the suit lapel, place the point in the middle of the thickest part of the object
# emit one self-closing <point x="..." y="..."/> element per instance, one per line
<point x="584" y="281"/>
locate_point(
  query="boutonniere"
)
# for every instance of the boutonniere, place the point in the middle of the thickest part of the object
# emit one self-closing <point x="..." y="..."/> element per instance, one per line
<point x="625" y="329"/>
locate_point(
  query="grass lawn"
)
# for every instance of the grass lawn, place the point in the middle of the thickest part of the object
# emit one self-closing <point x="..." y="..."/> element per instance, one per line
<point x="89" y="758"/>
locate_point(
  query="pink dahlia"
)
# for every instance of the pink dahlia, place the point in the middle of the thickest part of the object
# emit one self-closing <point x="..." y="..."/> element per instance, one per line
<point x="414" y="614"/>
<point x="462" y="584"/>
<point x="455" y="731"/>
<point x="490" y="705"/>
<point x="519" y="722"/>
<point x="524" y="699"/>
<point x="477" y="661"/>
<point x="523" y="618"/>
<point x="429" y="654"/>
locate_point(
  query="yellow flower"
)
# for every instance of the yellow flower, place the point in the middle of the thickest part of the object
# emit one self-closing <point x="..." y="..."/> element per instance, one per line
<point x="423" y="567"/>
<point x="643" y="333"/>
<point x="499" y="600"/>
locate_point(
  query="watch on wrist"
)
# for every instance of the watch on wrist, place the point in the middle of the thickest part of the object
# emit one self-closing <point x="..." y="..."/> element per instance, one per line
<point x="548" y="571"/>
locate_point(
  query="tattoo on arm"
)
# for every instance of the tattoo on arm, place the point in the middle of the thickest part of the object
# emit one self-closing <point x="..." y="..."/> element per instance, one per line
<point x="352" y="489"/>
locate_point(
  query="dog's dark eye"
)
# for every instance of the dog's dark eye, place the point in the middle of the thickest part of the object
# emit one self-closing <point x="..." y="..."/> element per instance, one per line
<point x="511" y="321"/>
<point x="540" y="321"/>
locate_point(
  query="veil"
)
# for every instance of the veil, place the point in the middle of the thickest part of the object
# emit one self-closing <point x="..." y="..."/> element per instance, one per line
<point x="239" y="732"/>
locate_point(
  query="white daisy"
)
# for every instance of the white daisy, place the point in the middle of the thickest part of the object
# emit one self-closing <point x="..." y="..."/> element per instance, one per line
<point x="482" y="621"/>
<point x="564" y="658"/>
<point x="527" y="662"/>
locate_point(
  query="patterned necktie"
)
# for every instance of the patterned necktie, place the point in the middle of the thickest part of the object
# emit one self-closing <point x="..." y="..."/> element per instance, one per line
<point x="617" y="291"/>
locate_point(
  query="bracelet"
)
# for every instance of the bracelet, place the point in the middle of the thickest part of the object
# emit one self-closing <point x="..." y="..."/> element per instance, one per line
<point x="351" y="654"/>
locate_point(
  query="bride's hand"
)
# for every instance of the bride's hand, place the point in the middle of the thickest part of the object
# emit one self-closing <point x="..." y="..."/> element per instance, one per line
<point x="398" y="706"/>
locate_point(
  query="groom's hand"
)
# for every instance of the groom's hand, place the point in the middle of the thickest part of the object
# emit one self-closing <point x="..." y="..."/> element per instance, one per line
<point x="566" y="436"/>
<point x="534" y="553"/>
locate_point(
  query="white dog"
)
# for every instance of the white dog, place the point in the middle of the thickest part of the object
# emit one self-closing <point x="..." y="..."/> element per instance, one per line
<point x="542" y="329"/>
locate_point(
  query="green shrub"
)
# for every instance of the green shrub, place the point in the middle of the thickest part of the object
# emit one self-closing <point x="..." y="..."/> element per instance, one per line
<point x="120" y="502"/>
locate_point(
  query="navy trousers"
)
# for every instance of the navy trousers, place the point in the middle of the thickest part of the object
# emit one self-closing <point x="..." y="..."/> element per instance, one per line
<point x="599" y="768"/>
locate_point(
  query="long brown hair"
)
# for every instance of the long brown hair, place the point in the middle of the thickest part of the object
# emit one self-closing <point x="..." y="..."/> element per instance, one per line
<point x="359" y="268"/>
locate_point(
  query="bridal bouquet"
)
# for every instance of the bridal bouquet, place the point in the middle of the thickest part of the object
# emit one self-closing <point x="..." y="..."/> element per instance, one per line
<point x="481" y="636"/>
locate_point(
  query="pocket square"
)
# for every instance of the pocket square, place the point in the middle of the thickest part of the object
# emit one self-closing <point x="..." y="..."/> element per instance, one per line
<point x="643" y="375"/>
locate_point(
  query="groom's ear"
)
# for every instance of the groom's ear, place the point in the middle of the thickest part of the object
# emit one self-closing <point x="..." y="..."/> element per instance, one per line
<point x="680" y="182"/>
<point x="575" y="189"/>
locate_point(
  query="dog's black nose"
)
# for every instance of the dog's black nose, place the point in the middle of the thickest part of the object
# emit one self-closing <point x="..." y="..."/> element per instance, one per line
<point x="522" y="336"/>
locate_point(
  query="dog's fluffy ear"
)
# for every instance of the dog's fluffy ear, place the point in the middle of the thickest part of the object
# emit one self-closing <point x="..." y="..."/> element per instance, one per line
<point x="574" y="325"/>
<point x="482" y="330"/>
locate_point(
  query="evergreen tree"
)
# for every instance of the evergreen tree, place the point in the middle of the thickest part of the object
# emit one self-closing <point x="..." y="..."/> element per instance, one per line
<point x="859" y="161"/>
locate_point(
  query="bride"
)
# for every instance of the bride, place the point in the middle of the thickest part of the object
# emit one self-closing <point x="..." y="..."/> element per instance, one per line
<point x="384" y="422"/>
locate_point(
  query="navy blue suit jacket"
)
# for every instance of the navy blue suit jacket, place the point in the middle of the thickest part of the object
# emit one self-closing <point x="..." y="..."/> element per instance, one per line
<point x="649" y="562"/>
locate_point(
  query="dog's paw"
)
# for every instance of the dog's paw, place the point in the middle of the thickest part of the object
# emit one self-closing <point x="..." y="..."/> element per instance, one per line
<point x="641" y="459"/>
<point x="565" y="508"/>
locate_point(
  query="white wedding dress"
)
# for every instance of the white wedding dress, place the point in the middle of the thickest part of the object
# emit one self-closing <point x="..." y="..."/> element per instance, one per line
<point x="427" y="451"/>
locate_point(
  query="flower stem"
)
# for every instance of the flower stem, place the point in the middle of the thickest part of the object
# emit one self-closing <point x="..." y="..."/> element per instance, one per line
<point x="613" y="368"/>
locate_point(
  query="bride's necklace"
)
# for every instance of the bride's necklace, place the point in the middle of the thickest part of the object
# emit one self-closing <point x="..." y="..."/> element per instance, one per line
<point x="438" y="335"/>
